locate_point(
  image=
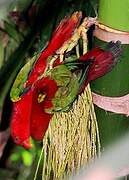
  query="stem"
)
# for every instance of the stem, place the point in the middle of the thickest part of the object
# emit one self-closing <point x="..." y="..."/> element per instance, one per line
<point x="114" y="13"/>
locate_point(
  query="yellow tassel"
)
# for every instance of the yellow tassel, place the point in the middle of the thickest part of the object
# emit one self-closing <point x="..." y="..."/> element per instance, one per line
<point x="72" y="139"/>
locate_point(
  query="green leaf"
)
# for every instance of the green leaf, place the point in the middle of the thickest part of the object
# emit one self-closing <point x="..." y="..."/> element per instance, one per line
<point x="1" y="54"/>
<point x="10" y="29"/>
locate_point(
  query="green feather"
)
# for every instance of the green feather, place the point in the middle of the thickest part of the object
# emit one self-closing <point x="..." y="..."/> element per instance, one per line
<point x="18" y="86"/>
<point x="66" y="94"/>
<point x="68" y="88"/>
<point x="61" y="74"/>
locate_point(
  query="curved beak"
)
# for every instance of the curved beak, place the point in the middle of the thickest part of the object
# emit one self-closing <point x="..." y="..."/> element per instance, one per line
<point x="27" y="144"/>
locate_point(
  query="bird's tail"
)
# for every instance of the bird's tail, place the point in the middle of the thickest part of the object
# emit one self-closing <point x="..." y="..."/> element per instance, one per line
<point x="115" y="48"/>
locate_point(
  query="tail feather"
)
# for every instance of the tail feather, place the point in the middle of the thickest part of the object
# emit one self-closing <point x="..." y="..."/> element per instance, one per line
<point x="114" y="48"/>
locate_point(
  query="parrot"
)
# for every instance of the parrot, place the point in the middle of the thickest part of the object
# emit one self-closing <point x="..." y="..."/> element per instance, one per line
<point x="45" y="90"/>
<point x="20" y="121"/>
<point x="28" y="75"/>
<point x="72" y="77"/>
<point x="61" y="35"/>
<point x="38" y="92"/>
<point x="56" y="90"/>
<point x="69" y="79"/>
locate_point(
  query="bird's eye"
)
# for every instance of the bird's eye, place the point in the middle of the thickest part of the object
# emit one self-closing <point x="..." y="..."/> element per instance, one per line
<point x="16" y="139"/>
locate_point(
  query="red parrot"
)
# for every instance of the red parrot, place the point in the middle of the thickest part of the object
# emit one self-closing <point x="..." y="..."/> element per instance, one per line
<point x="88" y="67"/>
<point x="45" y="90"/>
<point x="37" y="96"/>
<point x="57" y="92"/>
<point x="23" y="106"/>
<point x="20" y="120"/>
<point x="28" y="117"/>
<point x="63" y="33"/>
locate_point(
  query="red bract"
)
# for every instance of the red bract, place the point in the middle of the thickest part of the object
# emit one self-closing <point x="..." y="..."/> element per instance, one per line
<point x="63" y="33"/>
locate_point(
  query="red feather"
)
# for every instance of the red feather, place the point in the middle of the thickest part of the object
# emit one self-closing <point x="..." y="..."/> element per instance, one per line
<point x="39" y="118"/>
<point x="63" y="32"/>
<point x="20" y="121"/>
<point x="103" y="61"/>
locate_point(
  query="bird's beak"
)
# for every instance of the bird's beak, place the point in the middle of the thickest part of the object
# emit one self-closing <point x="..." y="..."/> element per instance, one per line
<point x="27" y="144"/>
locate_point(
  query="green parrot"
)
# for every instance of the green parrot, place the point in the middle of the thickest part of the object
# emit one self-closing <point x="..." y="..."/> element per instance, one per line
<point x="69" y="77"/>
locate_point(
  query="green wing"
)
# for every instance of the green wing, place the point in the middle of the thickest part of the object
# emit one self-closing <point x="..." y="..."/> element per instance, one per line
<point x="68" y="88"/>
<point x="61" y="75"/>
<point x="66" y="95"/>
<point x="18" y="86"/>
